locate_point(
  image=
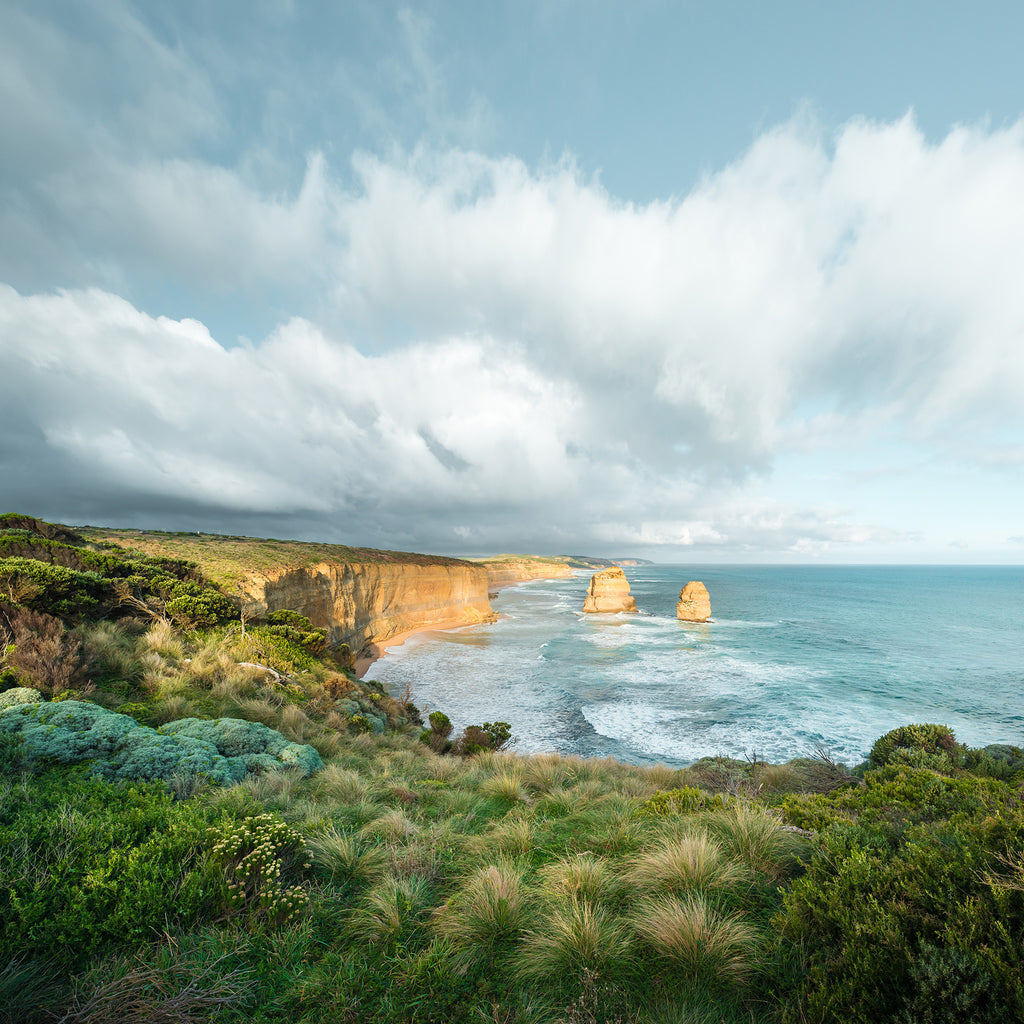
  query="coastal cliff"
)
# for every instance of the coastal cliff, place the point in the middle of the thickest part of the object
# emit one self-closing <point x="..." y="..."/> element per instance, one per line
<point x="507" y="571"/>
<point x="367" y="604"/>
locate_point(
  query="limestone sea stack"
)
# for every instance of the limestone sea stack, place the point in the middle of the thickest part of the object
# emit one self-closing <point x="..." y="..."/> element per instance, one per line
<point x="609" y="592"/>
<point x="694" y="603"/>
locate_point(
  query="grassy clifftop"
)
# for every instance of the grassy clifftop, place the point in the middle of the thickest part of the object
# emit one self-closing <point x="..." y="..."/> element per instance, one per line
<point x="226" y="560"/>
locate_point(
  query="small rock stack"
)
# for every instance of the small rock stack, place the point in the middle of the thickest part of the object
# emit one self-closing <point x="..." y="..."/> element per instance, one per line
<point x="694" y="603"/>
<point x="609" y="592"/>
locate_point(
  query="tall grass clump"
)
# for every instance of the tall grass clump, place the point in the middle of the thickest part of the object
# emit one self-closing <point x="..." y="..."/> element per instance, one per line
<point x="344" y="858"/>
<point x="506" y="786"/>
<point x="755" y="836"/>
<point x="574" y="935"/>
<point x="585" y="877"/>
<point x="486" y="914"/>
<point x="698" y="940"/>
<point x="692" y="862"/>
<point x="392" y="907"/>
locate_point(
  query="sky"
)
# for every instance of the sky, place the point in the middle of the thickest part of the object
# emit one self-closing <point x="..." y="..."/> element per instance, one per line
<point x="689" y="281"/>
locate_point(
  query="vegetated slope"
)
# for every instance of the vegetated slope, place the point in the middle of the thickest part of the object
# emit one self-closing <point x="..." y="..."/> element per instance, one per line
<point x="227" y="561"/>
<point x="423" y="877"/>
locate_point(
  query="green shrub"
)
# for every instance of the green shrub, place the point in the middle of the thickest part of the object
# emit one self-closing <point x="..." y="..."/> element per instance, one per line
<point x="89" y="866"/>
<point x="55" y="589"/>
<point x="258" y="746"/>
<point x="910" y="864"/>
<point x="19" y="695"/>
<point x="255" y="857"/>
<point x="921" y="746"/>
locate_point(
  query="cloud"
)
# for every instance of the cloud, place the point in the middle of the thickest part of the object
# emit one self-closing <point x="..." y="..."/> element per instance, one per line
<point x="490" y="350"/>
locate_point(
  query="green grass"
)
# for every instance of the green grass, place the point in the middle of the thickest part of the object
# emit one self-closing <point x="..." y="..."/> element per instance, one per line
<point x="227" y="561"/>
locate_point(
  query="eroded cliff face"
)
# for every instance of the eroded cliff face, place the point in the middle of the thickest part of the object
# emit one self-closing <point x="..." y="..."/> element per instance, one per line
<point x="508" y="572"/>
<point x="367" y="604"/>
<point x="609" y="592"/>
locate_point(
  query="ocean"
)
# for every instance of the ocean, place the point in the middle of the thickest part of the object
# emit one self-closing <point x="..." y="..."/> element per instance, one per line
<point x="798" y="658"/>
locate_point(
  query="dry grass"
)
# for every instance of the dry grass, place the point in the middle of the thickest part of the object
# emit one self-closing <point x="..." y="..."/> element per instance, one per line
<point x="696" y="938"/>
<point x="163" y="639"/>
<point x="154" y="995"/>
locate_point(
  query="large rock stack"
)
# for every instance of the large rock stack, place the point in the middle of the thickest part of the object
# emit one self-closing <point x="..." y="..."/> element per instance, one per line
<point x="694" y="603"/>
<point x="609" y="592"/>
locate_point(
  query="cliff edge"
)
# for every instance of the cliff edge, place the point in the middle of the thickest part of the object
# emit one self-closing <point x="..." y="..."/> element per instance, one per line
<point x="364" y="604"/>
<point x="609" y="592"/>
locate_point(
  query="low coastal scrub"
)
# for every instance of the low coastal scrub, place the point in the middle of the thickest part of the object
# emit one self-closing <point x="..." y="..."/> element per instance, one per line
<point x="217" y="822"/>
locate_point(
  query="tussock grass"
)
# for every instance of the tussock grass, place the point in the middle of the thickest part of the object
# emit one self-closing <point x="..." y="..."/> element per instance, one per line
<point x="584" y="876"/>
<point x="698" y="940"/>
<point x="755" y="836"/>
<point x="513" y="835"/>
<point x="777" y="778"/>
<point x="111" y="651"/>
<point x="689" y="863"/>
<point x="505" y="785"/>
<point x="274" y="787"/>
<point x="489" y="909"/>
<point x="343" y="785"/>
<point x="170" y="709"/>
<point x="163" y="639"/>
<point x="663" y="777"/>
<point x="574" y="935"/>
<point x="543" y="773"/>
<point x="252" y="709"/>
<point x="345" y="858"/>
<point x="558" y="802"/>
<point x="393" y="906"/>
<point x="391" y="827"/>
<point x="294" y="724"/>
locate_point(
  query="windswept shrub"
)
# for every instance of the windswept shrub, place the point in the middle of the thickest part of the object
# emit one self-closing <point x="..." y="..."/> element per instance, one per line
<point x="43" y="654"/>
<point x="920" y="746"/>
<point x="51" y="588"/>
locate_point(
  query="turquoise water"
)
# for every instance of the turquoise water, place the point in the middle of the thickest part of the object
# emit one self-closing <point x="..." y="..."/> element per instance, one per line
<point x="796" y="658"/>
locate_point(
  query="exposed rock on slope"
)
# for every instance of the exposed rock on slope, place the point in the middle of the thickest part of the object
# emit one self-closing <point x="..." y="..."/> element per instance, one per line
<point x="609" y="592"/>
<point x="363" y="604"/>
<point x="694" y="603"/>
